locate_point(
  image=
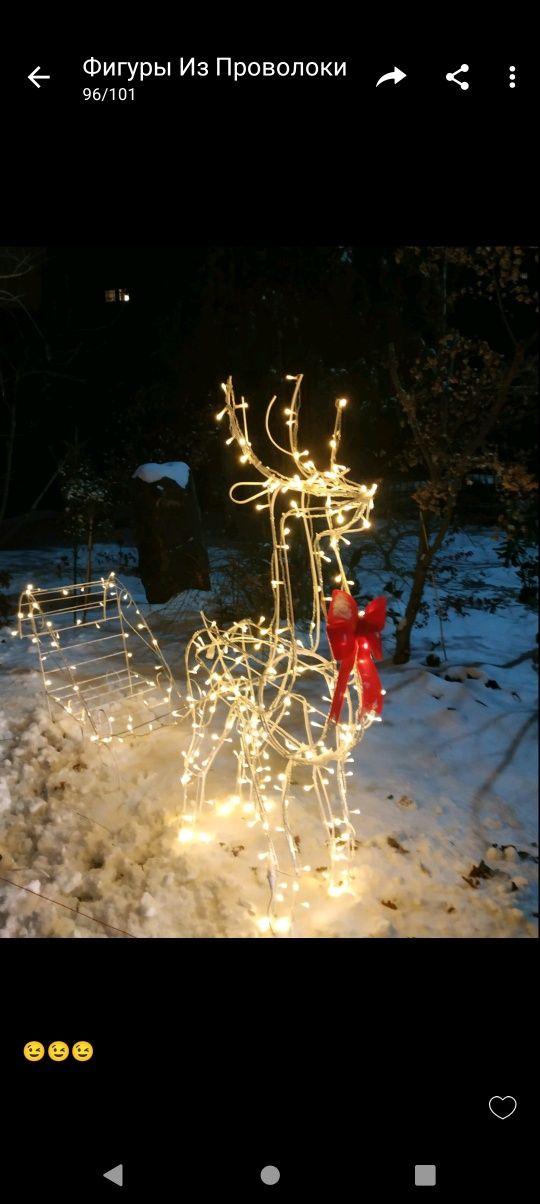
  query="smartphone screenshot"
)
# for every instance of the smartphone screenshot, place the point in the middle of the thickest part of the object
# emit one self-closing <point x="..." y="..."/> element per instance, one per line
<point x="268" y="617"/>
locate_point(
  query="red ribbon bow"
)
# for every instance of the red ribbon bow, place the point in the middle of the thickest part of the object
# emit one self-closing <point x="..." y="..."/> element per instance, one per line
<point x="354" y="639"/>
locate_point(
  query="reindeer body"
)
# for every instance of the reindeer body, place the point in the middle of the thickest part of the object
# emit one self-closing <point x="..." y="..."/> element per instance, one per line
<point x="249" y="683"/>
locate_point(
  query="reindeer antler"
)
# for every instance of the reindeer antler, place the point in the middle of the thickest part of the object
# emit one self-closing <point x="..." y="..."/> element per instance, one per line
<point x="307" y="478"/>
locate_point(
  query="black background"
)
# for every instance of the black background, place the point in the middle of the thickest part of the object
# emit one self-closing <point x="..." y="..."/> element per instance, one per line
<point x="343" y="1063"/>
<point x="294" y="159"/>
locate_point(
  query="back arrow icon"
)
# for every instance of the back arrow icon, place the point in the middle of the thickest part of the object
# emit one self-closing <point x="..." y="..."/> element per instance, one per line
<point x="34" y="76"/>
<point x="396" y="75"/>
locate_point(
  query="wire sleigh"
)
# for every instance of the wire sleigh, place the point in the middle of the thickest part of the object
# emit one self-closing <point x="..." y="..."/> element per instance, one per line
<point x="261" y="689"/>
<point x="99" y="661"/>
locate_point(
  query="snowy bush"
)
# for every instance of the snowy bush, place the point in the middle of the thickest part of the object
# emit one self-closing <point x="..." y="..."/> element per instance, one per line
<point x="5" y="579"/>
<point x="87" y="500"/>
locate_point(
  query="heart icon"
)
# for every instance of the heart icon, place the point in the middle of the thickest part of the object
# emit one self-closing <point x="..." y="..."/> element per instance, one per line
<point x="502" y="1105"/>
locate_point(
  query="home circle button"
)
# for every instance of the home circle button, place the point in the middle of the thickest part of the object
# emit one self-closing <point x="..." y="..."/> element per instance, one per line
<point x="270" y="1175"/>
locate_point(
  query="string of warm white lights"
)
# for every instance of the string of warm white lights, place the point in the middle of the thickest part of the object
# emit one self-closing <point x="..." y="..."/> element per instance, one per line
<point x="250" y="685"/>
<point x="88" y="667"/>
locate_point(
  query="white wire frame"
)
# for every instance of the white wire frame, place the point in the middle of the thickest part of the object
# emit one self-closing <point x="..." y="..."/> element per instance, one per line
<point x="247" y="685"/>
<point x="99" y="661"/>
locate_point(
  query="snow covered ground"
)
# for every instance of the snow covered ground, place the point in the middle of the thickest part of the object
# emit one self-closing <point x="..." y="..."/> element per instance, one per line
<point x="446" y="786"/>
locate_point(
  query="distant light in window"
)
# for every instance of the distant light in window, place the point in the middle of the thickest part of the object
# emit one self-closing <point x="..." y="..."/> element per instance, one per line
<point x="116" y="294"/>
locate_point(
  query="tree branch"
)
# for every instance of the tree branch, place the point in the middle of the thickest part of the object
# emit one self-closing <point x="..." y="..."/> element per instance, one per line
<point x="403" y="396"/>
<point x="503" y="315"/>
<point x="482" y="431"/>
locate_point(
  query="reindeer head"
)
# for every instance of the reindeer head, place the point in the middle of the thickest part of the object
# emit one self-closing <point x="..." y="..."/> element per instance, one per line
<point x="325" y="501"/>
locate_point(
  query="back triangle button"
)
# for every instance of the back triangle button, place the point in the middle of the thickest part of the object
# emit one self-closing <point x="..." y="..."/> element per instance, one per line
<point x="116" y="1175"/>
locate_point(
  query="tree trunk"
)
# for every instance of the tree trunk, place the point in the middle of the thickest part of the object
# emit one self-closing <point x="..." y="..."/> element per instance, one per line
<point x="89" y="548"/>
<point x="10" y="445"/>
<point x="403" y="635"/>
<point x="424" y="558"/>
<point x="8" y="461"/>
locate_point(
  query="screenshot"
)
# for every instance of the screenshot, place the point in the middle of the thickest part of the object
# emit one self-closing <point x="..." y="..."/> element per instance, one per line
<point x="268" y="618"/>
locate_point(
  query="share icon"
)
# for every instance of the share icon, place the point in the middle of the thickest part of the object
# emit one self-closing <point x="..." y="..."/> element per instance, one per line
<point x="451" y="77"/>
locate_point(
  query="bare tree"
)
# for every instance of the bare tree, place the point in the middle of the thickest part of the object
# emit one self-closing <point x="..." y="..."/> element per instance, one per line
<point x="18" y="266"/>
<point x="457" y="394"/>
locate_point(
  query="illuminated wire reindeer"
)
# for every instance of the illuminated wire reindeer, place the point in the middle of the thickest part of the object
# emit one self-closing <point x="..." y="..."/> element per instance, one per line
<point x="261" y="688"/>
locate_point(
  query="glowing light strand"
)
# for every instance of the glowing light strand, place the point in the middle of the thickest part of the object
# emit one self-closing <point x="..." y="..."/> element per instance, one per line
<point x="99" y="660"/>
<point x="248" y="683"/>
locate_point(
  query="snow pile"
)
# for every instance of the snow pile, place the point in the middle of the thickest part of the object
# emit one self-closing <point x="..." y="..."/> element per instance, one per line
<point x="175" y="470"/>
<point x="443" y="799"/>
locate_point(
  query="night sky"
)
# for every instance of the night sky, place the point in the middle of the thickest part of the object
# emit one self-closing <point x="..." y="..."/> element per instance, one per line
<point x="139" y="380"/>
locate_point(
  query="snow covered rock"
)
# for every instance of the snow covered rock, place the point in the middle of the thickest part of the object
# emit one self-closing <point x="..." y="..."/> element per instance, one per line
<point x="172" y="555"/>
<point x="174" y="470"/>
